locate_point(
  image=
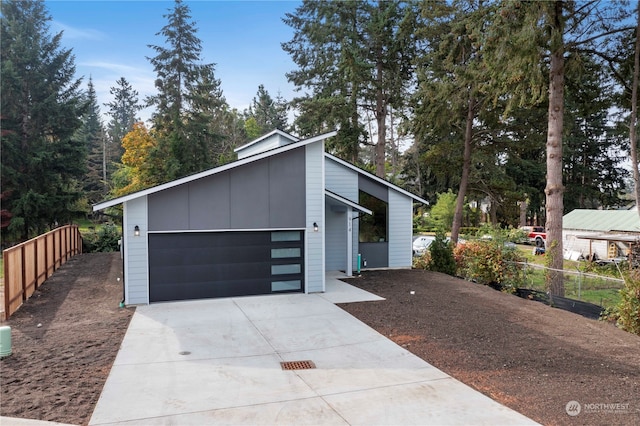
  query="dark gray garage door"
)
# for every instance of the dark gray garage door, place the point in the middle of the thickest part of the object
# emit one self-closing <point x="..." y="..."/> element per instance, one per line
<point x="224" y="264"/>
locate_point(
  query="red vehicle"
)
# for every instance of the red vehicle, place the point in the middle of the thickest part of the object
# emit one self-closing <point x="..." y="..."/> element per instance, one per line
<point x="536" y="235"/>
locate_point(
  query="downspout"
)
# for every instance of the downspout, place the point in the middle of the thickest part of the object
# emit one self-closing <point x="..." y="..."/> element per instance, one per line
<point x="122" y="257"/>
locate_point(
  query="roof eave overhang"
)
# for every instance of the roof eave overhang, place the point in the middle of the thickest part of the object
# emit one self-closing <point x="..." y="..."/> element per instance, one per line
<point x="347" y="202"/>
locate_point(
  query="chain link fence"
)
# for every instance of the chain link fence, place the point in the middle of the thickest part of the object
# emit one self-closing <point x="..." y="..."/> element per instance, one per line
<point x="582" y="286"/>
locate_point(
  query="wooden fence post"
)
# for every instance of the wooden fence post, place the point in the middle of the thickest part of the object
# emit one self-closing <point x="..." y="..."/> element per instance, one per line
<point x="24" y="272"/>
<point x="59" y="232"/>
<point x="46" y="257"/>
<point x="35" y="263"/>
<point x="7" y="293"/>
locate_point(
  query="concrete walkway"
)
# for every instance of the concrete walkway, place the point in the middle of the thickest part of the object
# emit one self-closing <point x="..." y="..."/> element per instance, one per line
<point x="218" y="362"/>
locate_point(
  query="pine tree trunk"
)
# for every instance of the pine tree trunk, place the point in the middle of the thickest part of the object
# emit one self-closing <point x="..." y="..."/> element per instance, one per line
<point x="464" y="180"/>
<point x="381" y="119"/>
<point x="104" y="162"/>
<point x="523" y="213"/>
<point x="554" y="189"/>
<point x="394" y="146"/>
<point x="355" y="149"/>
<point x="633" y="121"/>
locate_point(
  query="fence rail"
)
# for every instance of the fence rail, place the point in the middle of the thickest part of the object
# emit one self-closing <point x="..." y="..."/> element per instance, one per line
<point x="29" y="264"/>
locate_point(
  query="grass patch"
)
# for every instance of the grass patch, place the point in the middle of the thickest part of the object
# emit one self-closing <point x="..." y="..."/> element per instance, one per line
<point x="87" y="226"/>
<point x="587" y="288"/>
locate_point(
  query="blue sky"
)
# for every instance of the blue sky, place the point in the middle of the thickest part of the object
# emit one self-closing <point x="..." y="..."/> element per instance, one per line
<point x="110" y="38"/>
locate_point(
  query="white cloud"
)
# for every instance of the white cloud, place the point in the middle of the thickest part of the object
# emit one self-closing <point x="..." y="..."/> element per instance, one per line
<point x="114" y="67"/>
<point x="71" y="33"/>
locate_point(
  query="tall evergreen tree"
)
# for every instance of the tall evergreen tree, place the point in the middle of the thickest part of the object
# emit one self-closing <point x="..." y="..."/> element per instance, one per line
<point x="187" y="90"/>
<point x="268" y="113"/>
<point x="633" y="119"/>
<point x="451" y="75"/>
<point x="623" y="60"/>
<point x="232" y="126"/>
<point x="355" y="58"/>
<point x="203" y="118"/>
<point x="323" y="46"/>
<point x="123" y="110"/>
<point x="41" y="109"/>
<point x="93" y="136"/>
<point x="521" y="34"/>
<point x="594" y="149"/>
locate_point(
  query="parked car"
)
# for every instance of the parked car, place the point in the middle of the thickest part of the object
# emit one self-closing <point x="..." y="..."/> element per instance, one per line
<point x="536" y="235"/>
<point x="421" y="244"/>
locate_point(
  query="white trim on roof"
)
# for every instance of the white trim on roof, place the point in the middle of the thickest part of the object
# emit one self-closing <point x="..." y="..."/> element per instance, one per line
<point x="268" y="135"/>
<point x="375" y="178"/>
<point x="211" y="172"/>
<point x="347" y="202"/>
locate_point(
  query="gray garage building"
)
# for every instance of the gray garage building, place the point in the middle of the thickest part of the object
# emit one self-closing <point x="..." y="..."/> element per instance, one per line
<point x="271" y="222"/>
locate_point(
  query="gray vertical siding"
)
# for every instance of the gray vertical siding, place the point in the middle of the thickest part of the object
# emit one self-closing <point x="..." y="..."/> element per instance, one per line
<point x="286" y="190"/>
<point x="208" y="208"/>
<point x="374" y="188"/>
<point x="375" y="255"/>
<point x="268" y="193"/>
<point x="341" y="180"/>
<point x="136" y="252"/>
<point x="344" y="182"/>
<point x="249" y="196"/>
<point x="400" y="223"/>
<point x="335" y="239"/>
<point x="315" y="185"/>
<point x="169" y="209"/>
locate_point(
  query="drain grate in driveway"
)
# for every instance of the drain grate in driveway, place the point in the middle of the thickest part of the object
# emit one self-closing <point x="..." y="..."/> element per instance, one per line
<point x="297" y="365"/>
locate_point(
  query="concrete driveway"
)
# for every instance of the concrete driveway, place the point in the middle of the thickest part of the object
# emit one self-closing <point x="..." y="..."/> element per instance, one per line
<point x="219" y="362"/>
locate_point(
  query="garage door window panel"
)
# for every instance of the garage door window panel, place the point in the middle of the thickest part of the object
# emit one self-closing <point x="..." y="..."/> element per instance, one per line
<point x="284" y="286"/>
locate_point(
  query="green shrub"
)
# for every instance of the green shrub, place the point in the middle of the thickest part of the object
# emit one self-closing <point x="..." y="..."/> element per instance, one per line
<point x="489" y="262"/>
<point x="468" y="230"/>
<point x="105" y="239"/>
<point x="443" y="210"/>
<point x="422" y="261"/>
<point x="441" y="255"/>
<point x="627" y="313"/>
<point x="516" y="235"/>
<point x="512" y="235"/>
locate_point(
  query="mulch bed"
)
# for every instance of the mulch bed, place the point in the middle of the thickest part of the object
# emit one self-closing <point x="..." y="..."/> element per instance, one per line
<point x="64" y="340"/>
<point x="524" y="354"/>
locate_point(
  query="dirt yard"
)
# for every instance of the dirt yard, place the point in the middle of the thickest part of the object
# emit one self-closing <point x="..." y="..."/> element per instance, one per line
<point x="65" y="339"/>
<point x="524" y="354"/>
<point x="528" y="356"/>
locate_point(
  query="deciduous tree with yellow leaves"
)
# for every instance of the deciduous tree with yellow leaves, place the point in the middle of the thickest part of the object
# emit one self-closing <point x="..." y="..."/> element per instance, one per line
<point x="134" y="173"/>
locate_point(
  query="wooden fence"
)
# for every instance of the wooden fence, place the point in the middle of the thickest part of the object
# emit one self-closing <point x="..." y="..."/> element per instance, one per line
<point x="28" y="265"/>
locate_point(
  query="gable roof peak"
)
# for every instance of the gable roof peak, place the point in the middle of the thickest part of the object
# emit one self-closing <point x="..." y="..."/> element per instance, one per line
<point x="274" y="139"/>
